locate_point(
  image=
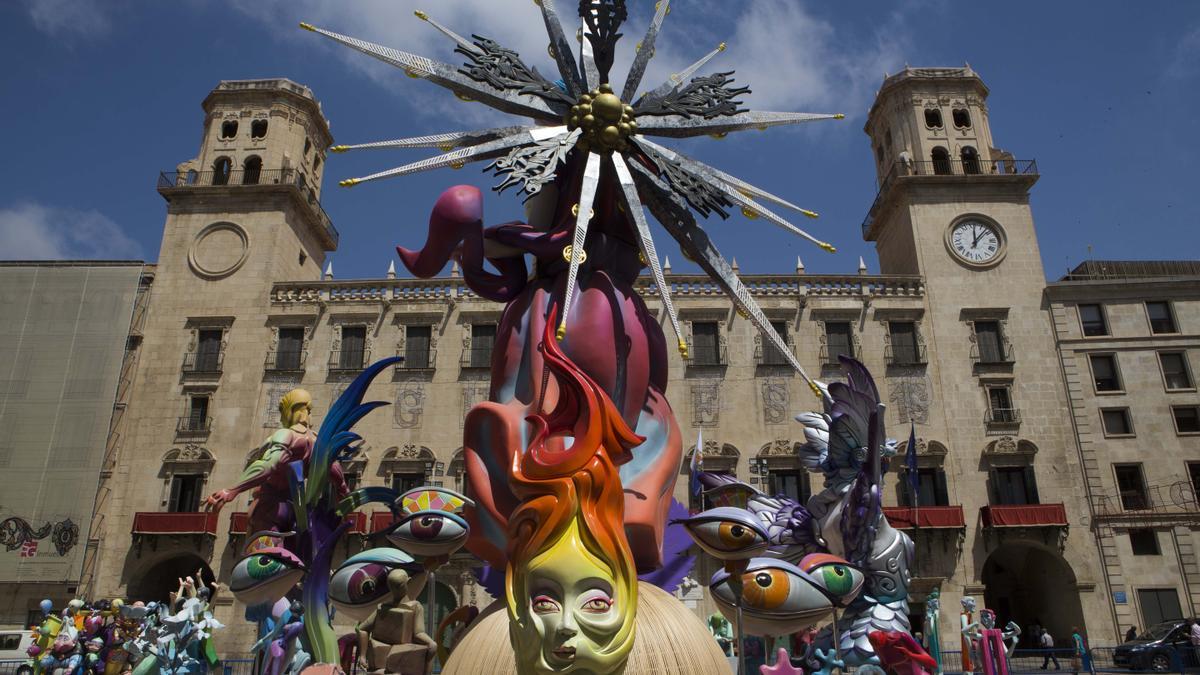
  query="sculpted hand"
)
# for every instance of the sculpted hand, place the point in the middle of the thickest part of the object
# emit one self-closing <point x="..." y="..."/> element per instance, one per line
<point x="218" y="499"/>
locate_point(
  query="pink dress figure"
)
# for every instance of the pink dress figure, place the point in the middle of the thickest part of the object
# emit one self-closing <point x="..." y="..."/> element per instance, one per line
<point x="992" y="650"/>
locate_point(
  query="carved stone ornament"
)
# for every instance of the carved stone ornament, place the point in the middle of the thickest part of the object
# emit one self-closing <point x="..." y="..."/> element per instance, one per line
<point x="706" y="404"/>
<point x="1007" y="445"/>
<point x="776" y="400"/>
<point x="909" y="396"/>
<point x="410" y="405"/>
<point x="778" y="448"/>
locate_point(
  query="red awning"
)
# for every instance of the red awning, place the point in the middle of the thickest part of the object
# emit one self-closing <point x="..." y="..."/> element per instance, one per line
<point x="934" y="517"/>
<point x="146" y="522"/>
<point x="381" y="520"/>
<point x="239" y="523"/>
<point x="1024" y="515"/>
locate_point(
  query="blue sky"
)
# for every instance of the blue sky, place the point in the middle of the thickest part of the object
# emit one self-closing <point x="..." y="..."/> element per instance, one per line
<point x="101" y="95"/>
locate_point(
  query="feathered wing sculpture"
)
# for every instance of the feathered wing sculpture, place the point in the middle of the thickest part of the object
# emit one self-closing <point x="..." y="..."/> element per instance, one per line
<point x="847" y="444"/>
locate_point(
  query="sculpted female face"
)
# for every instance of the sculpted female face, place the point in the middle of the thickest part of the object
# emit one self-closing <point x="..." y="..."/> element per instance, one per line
<point x="573" y="607"/>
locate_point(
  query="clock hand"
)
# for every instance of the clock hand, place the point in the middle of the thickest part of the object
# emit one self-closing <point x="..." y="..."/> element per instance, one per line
<point x="975" y="242"/>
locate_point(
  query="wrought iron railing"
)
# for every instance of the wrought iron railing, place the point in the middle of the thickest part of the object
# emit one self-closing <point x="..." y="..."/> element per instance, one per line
<point x="707" y="356"/>
<point x="829" y="357"/>
<point x="418" y="359"/>
<point x="1003" y="416"/>
<point x="286" y="361"/>
<point x="204" y="363"/>
<point x="946" y="167"/>
<point x="993" y="354"/>
<point x="348" y="360"/>
<point x="193" y="425"/>
<point x="169" y="180"/>
<point x="476" y="357"/>
<point x="905" y="355"/>
<point x="769" y="355"/>
<point x="1179" y="499"/>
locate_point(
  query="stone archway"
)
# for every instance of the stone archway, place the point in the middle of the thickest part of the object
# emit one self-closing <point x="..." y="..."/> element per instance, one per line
<point x="158" y="580"/>
<point x="1030" y="585"/>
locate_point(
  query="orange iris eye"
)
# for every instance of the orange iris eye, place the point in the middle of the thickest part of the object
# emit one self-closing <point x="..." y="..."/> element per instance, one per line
<point x="598" y="605"/>
<point x="734" y="535"/>
<point x="544" y="605"/>
<point x="765" y="589"/>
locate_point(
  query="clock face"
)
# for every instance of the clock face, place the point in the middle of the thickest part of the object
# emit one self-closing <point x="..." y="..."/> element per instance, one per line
<point x="975" y="242"/>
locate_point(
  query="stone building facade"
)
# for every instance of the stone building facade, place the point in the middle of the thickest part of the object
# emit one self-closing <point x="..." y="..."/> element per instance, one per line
<point x="967" y="342"/>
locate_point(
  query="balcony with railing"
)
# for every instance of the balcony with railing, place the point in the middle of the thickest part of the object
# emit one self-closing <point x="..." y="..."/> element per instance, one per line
<point x="1176" y="502"/>
<point x="286" y="361"/>
<point x="973" y="169"/>
<point x="418" y="360"/>
<point x="204" y="363"/>
<point x="707" y="356"/>
<point x="174" y="182"/>
<point x="926" y="517"/>
<point x="769" y="355"/>
<point x="1003" y="416"/>
<point x="988" y="354"/>
<point x="348" y="360"/>
<point x="475" y="358"/>
<point x="905" y="355"/>
<point x="829" y="356"/>
<point x="193" y="426"/>
<point x="239" y="523"/>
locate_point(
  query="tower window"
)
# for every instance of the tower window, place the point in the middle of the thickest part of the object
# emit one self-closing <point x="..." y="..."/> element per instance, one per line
<point x="1104" y="372"/>
<point x="221" y="170"/>
<point x="307" y="146"/>
<point x="229" y="129"/>
<point x="251" y="170"/>
<point x="962" y="118"/>
<point x="258" y="129"/>
<point x="970" y="160"/>
<point x="887" y="139"/>
<point x="879" y="154"/>
<point x="941" y="161"/>
<point x="316" y="163"/>
<point x="933" y="118"/>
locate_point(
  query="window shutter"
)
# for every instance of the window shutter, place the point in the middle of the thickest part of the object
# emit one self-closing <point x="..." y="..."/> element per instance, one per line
<point x="173" y="499"/>
<point x="942" y="494"/>
<point x="993" y="487"/>
<point x="1031" y="491"/>
<point x="905" y="492"/>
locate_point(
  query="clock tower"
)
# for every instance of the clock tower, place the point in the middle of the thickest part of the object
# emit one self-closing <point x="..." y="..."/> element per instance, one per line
<point x="954" y="209"/>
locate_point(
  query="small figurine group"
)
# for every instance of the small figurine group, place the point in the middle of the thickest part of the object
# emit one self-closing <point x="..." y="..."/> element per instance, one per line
<point x="113" y="638"/>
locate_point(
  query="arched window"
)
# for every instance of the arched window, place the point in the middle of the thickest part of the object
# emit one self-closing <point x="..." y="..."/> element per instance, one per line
<point x="307" y="146"/>
<point x="316" y="163"/>
<point x="970" y="160"/>
<point x="887" y="142"/>
<point x="933" y="118"/>
<point x="962" y="118"/>
<point x="251" y="170"/>
<point x="258" y="129"/>
<point x="221" y="170"/>
<point x="941" y="161"/>
<point x="229" y="129"/>
<point x="879" y="154"/>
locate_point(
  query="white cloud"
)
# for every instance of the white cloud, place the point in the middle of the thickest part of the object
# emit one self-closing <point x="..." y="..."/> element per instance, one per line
<point x="791" y="59"/>
<point x="71" y="18"/>
<point x="35" y="232"/>
<point x="1186" y="59"/>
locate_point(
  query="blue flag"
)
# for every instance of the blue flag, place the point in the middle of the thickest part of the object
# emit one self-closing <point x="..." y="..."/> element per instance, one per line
<point x="910" y="462"/>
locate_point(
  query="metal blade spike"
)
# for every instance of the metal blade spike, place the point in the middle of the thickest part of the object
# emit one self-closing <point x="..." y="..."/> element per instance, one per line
<point x="741" y="185"/>
<point x="445" y="142"/>
<point x="676" y="80"/>
<point x="750" y="208"/>
<point x="446" y="75"/>
<point x="591" y="73"/>
<point x="560" y="48"/>
<point x="645" y="51"/>
<point x="583" y="215"/>
<point x="462" y="41"/>
<point x="460" y="157"/>
<point x="678" y="126"/>
<point x="633" y="207"/>
<point x="678" y="220"/>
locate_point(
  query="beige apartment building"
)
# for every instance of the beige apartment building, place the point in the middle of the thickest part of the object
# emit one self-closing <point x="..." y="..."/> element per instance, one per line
<point x="1033" y="497"/>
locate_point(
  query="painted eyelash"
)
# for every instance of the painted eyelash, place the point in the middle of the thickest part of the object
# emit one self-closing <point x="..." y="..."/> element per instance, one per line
<point x="544" y="598"/>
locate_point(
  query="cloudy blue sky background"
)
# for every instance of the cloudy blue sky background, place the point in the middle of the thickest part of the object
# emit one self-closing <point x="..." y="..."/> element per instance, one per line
<point x="100" y="95"/>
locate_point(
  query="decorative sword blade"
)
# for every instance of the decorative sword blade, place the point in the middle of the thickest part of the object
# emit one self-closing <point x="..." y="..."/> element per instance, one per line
<point x="446" y="75"/>
<point x="561" y="49"/>
<point x="591" y="74"/>
<point x="678" y="220"/>
<point x="633" y="207"/>
<point x="676" y="80"/>
<point x="750" y="208"/>
<point x="462" y="41"/>
<point x="587" y="197"/>
<point x="445" y="142"/>
<point x="645" y="51"/>
<point x="474" y="153"/>
<point x="678" y="126"/>
<point x="741" y="185"/>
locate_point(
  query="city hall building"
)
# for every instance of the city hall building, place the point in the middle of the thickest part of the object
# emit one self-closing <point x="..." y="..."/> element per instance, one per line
<point x="1057" y="423"/>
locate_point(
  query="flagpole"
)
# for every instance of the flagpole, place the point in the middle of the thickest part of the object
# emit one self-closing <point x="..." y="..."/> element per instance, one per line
<point x="914" y="478"/>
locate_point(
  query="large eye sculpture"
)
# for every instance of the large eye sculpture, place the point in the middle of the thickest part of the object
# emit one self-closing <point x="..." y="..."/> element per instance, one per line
<point x="265" y="575"/>
<point x="841" y="581"/>
<point x="778" y="598"/>
<point x="361" y="582"/>
<point x="430" y="534"/>
<point x="728" y="533"/>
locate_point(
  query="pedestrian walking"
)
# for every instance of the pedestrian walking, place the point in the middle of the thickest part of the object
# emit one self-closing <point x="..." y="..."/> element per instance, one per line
<point x="1194" y="636"/>
<point x="1131" y="634"/>
<point x="1078" y="652"/>
<point x="1046" y="642"/>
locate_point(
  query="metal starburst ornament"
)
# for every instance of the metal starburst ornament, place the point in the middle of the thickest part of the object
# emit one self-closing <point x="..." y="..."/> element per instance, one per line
<point x="582" y="118"/>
